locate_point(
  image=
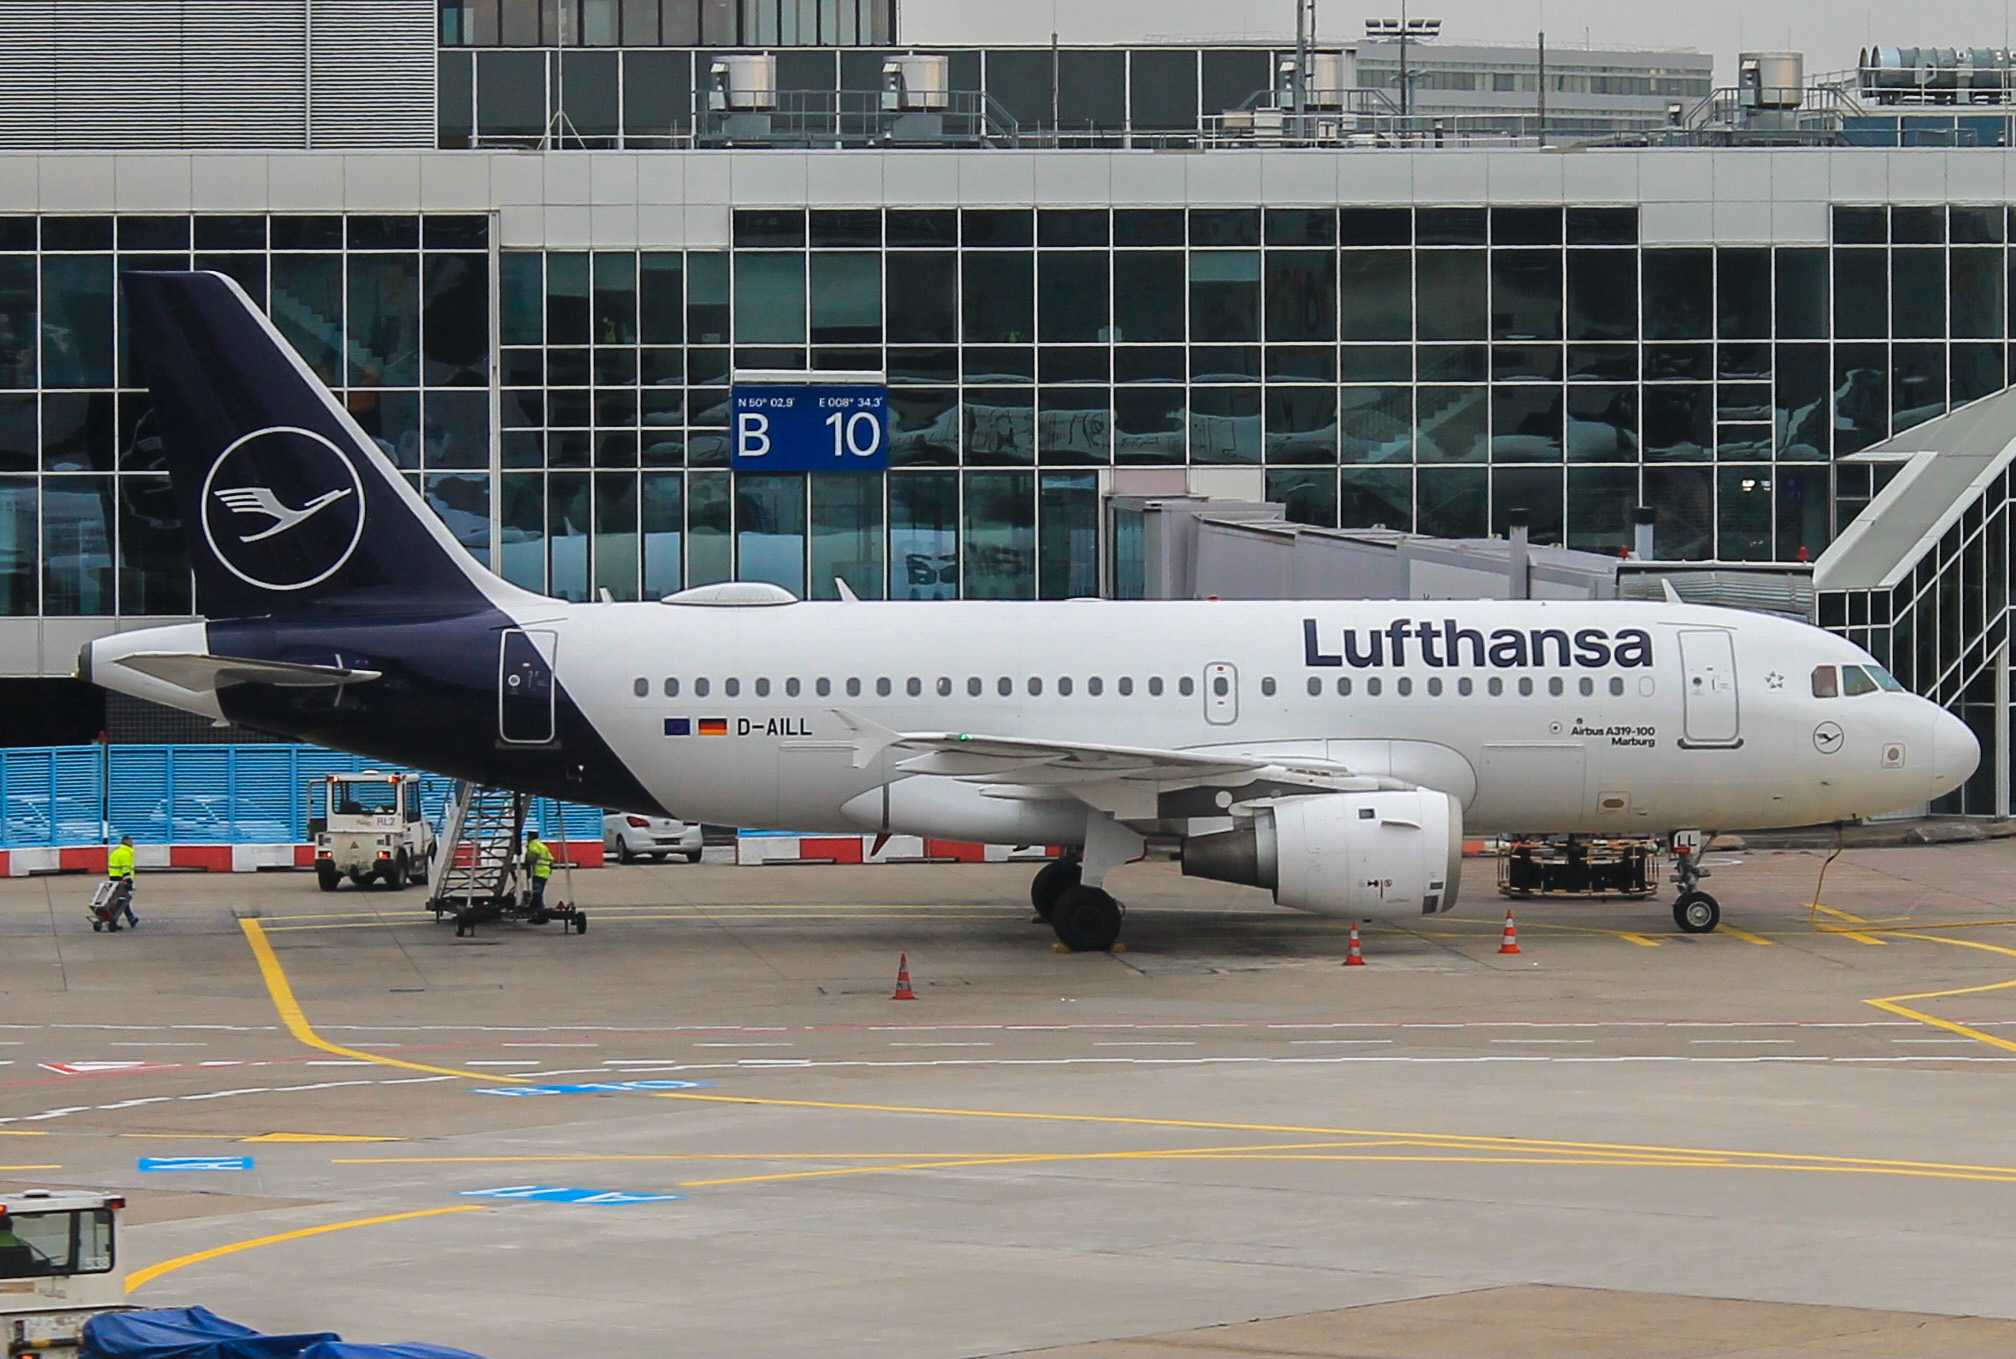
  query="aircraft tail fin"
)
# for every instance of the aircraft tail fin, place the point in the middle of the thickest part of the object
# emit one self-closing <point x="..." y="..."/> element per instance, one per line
<point x="285" y="502"/>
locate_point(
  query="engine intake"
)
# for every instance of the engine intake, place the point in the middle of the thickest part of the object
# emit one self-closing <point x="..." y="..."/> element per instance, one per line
<point x="1363" y="856"/>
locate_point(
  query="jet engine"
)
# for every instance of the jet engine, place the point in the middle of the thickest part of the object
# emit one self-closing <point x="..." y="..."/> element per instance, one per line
<point x="1388" y="854"/>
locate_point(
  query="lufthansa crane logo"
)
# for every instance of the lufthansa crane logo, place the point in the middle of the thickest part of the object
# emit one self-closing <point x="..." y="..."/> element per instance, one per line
<point x="283" y="508"/>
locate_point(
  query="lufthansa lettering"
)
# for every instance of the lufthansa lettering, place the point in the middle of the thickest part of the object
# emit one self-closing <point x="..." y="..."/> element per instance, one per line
<point x="1445" y="645"/>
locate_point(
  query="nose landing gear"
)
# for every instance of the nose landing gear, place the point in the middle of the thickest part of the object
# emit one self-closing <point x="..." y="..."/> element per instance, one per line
<point x="1695" y="912"/>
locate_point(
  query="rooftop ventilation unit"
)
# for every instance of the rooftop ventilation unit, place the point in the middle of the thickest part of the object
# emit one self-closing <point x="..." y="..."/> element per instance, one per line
<point x="917" y="82"/>
<point x="1771" y="80"/>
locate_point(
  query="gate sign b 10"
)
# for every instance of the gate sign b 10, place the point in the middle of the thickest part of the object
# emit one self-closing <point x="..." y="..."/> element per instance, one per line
<point x="811" y="428"/>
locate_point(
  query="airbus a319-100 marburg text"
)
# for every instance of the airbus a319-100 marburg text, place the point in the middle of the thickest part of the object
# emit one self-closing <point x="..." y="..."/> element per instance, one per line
<point x="1334" y="753"/>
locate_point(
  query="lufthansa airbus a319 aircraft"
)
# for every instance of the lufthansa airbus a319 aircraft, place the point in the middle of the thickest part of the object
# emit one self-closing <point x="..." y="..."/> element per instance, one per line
<point x="1335" y="753"/>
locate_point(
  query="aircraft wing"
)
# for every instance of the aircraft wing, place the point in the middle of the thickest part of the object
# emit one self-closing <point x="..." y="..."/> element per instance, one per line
<point x="1130" y="782"/>
<point x="188" y="670"/>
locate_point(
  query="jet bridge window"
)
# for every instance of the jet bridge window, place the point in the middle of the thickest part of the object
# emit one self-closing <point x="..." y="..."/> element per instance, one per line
<point x="1824" y="683"/>
<point x="1855" y="681"/>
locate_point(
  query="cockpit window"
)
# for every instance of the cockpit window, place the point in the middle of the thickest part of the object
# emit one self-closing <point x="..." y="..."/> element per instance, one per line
<point x="1884" y="679"/>
<point x="1855" y="681"/>
<point x="1824" y="684"/>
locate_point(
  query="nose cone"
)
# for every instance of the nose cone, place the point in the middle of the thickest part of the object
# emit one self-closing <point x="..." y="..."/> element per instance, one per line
<point x="1955" y="753"/>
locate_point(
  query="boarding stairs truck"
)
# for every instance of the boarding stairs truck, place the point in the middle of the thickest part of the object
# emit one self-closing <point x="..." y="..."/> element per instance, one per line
<point x="483" y="876"/>
<point x="57" y="1269"/>
<point x="369" y="829"/>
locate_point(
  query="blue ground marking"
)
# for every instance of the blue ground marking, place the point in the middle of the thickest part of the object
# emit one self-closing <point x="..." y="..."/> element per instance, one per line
<point x="547" y="1193"/>
<point x="597" y="1087"/>
<point x="195" y="1163"/>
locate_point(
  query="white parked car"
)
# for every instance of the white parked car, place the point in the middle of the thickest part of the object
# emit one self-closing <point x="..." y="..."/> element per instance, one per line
<point x="631" y="837"/>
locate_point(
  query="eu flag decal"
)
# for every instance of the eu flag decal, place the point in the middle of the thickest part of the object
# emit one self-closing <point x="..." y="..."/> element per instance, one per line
<point x="678" y="726"/>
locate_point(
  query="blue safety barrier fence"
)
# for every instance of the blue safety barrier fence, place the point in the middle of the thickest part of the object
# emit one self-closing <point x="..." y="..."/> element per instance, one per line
<point x="159" y="795"/>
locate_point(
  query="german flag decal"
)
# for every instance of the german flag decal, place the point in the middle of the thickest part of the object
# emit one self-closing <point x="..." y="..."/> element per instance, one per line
<point x="713" y="726"/>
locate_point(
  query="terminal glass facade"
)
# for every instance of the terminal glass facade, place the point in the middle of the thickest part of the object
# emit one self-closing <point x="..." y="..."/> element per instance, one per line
<point x="1430" y="368"/>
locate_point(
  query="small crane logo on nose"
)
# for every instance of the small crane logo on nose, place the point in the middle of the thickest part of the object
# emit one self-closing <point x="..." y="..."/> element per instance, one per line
<point x="1827" y="737"/>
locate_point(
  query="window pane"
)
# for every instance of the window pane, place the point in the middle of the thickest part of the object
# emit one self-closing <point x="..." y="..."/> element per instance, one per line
<point x="1743" y="294"/>
<point x="999" y="294"/>
<point x="1918" y="293"/>
<point x="1148" y="296"/>
<point x="20" y="548"/>
<point x="1301" y="295"/>
<point x="1383" y="497"/>
<point x="1526" y="424"/>
<point x="1679" y="294"/>
<point x="79" y="432"/>
<point x="1069" y="556"/>
<point x="1861" y="294"/>
<point x="1306" y="495"/>
<point x="769" y="298"/>
<point x="709" y="515"/>
<point x="1163" y="91"/>
<point x="77" y="320"/>
<point x="1526" y="294"/>
<point x="1376" y="424"/>
<point x="661" y="523"/>
<point x="924" y="426"/>
<point x="1301" y="424"/>
<point x="1451" y="421"/>
<point x="847" y="535"/>
<point x="77" y="539"/>
<point x="511" y="88"/>
<point x="1454" y="299"/>
<point x="384" y="327"/>
<point x="1000" y="535"/>
<point x="1072" y="296"/>
<point x="998" y="425"/>
<point x="615" y="297"/>
<point x="455" y="321"/>
<point x="17" y="322"/>
<point x="1225" y="296"/>
<point x="1225" y="424"/>
<point x="1977" y="285"/>
<point x="846" y="299"/>
<point x="924" y="535"/>
<point x="308" y="310"/>
<point x="707" y="298"/>
<point x="661" y="298"/>
<point x="1801" y="287"/>
<point x="1602" y="295"/>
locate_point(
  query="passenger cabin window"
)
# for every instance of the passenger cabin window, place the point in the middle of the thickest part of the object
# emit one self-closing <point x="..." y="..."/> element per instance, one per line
<point x="914" y="686"/>
<point x="1187" y="686"/>
<point x="1372" y="687"/>
<point x="1587" y="686"/>
<point x="642" y="688"/>
<point x="790" y="688"/>
<point x="1315" y="687"/>
<point x="1344" y="686"/>
<point x="762" y="688"/>
<point x="1855" y="681"/>
<point x="1495" y="685"/>
<point x="1404" y="685"/>
<point x="973" y="687"/>
<point x="700" y="688"/>
<point x="1064" y="687"/>
<point x="1266" y="686"/>
<point x="1525" y="688"/>
<point x="1464" y="686"/>
<point x="1222" y="686"/>
<point x="1554" y="686"/>
<point x="1095" y="686"/>
<point x="1824" y="685"/>
<point x="731" y="687"/>
<point x="1434" y="687"/>
<point x="1155" y="687"/>
<point x="671" y="688"/>
<point x="822" y="687"/>
<point x="853" y="687"/>
<point x="1126" y="687"/>
<point x="1035" y="687"/>
<point x="1004" y="686"/>
<point x="883" y="688"/>
<point x="1616" y="687"/>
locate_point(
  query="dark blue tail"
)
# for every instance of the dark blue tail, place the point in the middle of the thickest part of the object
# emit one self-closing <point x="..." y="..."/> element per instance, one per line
<point x="285" y="502"/>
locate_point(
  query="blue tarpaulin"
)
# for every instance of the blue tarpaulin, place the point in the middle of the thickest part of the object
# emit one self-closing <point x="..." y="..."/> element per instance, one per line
<point x="188" y="1333"/>
<point x="406" y="1349"/>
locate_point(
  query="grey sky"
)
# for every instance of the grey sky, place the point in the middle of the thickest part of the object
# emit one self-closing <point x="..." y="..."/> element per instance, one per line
<point x="1828" y="31"/>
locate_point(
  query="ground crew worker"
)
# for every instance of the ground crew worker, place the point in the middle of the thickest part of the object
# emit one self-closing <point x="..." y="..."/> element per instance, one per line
<point x="18" y="1259"/>
<point x="539" y="862"/>
<point x="119" y="868"/>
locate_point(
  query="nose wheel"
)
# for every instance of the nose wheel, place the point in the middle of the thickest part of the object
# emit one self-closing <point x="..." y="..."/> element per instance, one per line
<point x="1697" y="913"/>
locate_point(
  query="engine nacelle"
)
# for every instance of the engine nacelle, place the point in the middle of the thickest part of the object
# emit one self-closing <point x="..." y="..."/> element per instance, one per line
<point x="1390" y="854"/>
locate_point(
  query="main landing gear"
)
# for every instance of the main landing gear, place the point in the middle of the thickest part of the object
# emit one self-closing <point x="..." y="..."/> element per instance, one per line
<point x="1069" y="891"/>
<point x="1695" y="912"/>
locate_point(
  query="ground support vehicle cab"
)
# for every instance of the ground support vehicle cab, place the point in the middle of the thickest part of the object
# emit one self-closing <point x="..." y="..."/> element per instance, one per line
<point x="368" y="828"/>
<point x="58" y="1268"/>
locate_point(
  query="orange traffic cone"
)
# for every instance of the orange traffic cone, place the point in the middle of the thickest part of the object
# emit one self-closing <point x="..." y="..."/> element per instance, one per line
<point x="1510" y="943"/>
<point x="1354" y="957"/>
<point x="903" y="991"/>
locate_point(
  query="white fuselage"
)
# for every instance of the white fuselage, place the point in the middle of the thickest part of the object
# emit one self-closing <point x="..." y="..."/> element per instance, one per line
<point x="1554" y="719"/>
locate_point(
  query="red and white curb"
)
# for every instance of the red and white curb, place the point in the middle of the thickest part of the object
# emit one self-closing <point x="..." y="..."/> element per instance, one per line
<point x="36" y="861"/>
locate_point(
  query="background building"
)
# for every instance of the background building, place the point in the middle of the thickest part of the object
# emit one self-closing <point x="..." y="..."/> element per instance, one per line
<point x="1075" y="282"/>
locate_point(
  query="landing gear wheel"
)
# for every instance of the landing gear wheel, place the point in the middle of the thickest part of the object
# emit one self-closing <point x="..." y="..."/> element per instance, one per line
<point x="580" y="923"/>
<point x="1697" y="913"/>
<point x="1052" y="881"/>
<point x="1086" y="919"/>
<point x="326" y="877"/>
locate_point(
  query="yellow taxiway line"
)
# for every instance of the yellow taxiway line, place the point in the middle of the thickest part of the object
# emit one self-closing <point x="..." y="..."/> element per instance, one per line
<point x="140" y="1278"/>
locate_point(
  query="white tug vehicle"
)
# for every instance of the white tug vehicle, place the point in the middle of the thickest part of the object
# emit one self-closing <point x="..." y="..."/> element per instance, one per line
<point x="369" y="829"/>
